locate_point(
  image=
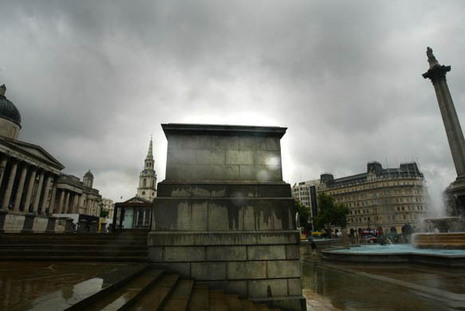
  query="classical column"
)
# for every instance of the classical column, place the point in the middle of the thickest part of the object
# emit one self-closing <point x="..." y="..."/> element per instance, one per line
<point x="2" y="169"/>
<point x="38" y="193"/>
<point x="437" y="74"/>
<point x="53" y="199"/>
<point x="9" y="187"/>
<point x="43" y="204"/>
<point x="60" y="201"/>
<point x="66" y="207"/>
<point x="19" y="191"/>
<point x="30" y="188"/>
<point x="75" y="204"/>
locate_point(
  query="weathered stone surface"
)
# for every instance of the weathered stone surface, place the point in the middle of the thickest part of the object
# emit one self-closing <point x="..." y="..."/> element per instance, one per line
<point x="183" y="268"/>
<point x="156" y="254"/>
<point x="226" y="253"/>
<point x="266" y="252"/>
<point x="284" y="269"/>
<point x="221" y="238"/>
<point x="238" y="287"/>
<point x="292" y="252"/>
<point x="268" y="288"/>
<point x="247" y="270"/>
<point x="208" y="270"/>
<point x="224" y="216"/>
<point x="218" y="157"/>
<point x="177" y="254"/>
<point x="295" y="287"/>
<point x="225" y="190"/>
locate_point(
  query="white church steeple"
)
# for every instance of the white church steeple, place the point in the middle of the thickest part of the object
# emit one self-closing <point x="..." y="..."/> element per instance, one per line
<point x="148" y="177"/>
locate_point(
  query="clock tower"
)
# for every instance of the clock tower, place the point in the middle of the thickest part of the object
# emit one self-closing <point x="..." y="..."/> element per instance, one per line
<point x="148" y="177"/>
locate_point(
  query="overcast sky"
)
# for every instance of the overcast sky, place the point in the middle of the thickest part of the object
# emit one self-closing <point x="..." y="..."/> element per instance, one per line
<point x="94" y="79"/>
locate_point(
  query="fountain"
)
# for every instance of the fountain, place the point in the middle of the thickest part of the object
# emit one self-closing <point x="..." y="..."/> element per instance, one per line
<point x="447" y="246"/>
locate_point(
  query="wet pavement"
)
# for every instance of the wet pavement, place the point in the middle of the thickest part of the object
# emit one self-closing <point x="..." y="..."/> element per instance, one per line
<point x="326" y="286"/>
<point x="49" y="285"/>
<point x="342" y="286"/>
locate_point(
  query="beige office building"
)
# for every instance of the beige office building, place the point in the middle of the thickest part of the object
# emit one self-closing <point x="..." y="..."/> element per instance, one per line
<point x="380" y="197"/>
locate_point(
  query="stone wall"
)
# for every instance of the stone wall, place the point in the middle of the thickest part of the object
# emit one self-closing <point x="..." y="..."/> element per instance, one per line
<point x="15" y="223"/>
<point x="225" y="217"/>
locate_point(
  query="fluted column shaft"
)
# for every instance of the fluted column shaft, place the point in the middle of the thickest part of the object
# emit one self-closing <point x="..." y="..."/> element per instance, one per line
<point x="19" y="191"/>
<point x="9" y="187"/>
<point x="30" y="188"/>
<point x="53" y="199"/>
<point x="2" y="169"/>
<point x="38" y="193"/>
<point x="43" y="204"/>
<point x="60" y="202"/>
<point x="67" y="209"/>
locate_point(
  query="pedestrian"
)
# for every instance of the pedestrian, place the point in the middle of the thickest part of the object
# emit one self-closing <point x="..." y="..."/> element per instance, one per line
<point x="312" y="245"/>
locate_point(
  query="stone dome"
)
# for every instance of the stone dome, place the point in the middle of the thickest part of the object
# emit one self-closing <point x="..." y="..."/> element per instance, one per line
<point x="88" y="174"/>
<point x="7" y="109"/>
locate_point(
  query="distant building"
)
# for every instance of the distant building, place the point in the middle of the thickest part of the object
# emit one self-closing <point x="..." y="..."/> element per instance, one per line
<point x="380" y="197"/>
<point x="306" y="192"/>
<point x="148" y="177"/>
<point x="136" y="213"/>
<point x="77" y="197"/>
<point x="31" y="181"/>
<point x="108" y="207"/>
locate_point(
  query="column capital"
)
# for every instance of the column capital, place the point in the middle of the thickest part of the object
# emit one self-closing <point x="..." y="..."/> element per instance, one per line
<point x="437" y="73"/>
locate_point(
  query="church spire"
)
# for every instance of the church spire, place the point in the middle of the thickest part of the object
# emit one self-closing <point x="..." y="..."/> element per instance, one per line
<point x="150" y="153"/>
<point x="148" y="177"/>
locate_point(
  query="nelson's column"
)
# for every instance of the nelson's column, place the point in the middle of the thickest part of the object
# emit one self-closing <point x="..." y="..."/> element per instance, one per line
<point x="437" y="74"/>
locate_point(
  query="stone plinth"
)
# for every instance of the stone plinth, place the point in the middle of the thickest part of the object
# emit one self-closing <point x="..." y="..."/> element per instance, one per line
<point x="224" y="216"/>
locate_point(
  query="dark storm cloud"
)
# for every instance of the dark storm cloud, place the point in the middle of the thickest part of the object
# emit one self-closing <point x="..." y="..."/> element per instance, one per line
<point x="93" y="79"/>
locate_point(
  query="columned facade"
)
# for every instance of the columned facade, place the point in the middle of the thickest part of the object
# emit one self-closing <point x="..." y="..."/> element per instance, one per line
<point x="22" y="189"/>
<point x="31" y="182"/>
<point x="73" y="197"/>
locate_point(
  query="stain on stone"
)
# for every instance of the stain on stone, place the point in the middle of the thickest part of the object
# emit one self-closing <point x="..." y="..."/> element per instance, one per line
<point x="233" y="209"/>
<point x="166" y="214"/>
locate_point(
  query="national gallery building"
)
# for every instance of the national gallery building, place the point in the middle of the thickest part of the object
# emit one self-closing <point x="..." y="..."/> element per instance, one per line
<point x="32" y="186"/>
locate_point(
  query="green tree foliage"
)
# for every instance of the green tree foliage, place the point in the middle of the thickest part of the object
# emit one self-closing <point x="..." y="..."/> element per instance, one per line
<point x="103" y="213"/>
<point x="330" y="213"/>
<point x="304" y="213"/>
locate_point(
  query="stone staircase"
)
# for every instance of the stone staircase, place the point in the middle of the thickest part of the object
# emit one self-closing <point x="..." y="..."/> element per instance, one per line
<point x="155" y="288"/>
<point x="121" y="246"/>
<point x="136" y="286"/>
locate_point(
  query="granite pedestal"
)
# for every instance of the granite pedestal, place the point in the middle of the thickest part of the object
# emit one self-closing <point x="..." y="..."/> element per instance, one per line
<point x="224" y="216"/>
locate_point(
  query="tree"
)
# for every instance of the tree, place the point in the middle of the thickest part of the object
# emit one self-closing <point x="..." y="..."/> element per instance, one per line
<point x="103" y="213"/>
<point x="330" y="213"/>
<point x="304" y="213"/>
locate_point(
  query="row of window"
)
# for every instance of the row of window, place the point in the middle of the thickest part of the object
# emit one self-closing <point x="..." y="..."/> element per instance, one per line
<point x="383" y="209"/>
<point x="383" y="218"/>
<point x="376" y="185"/>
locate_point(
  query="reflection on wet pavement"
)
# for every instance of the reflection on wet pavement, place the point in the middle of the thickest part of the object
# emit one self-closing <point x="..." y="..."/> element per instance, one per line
<point x="384" y="287"/>
<point x="62" y="299"/>
<point x="49" y="286"/>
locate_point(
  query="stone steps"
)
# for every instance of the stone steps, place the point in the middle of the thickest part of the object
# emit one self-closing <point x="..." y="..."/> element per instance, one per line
<point x="125" y="246"/>
<point x="158" y="289"/>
